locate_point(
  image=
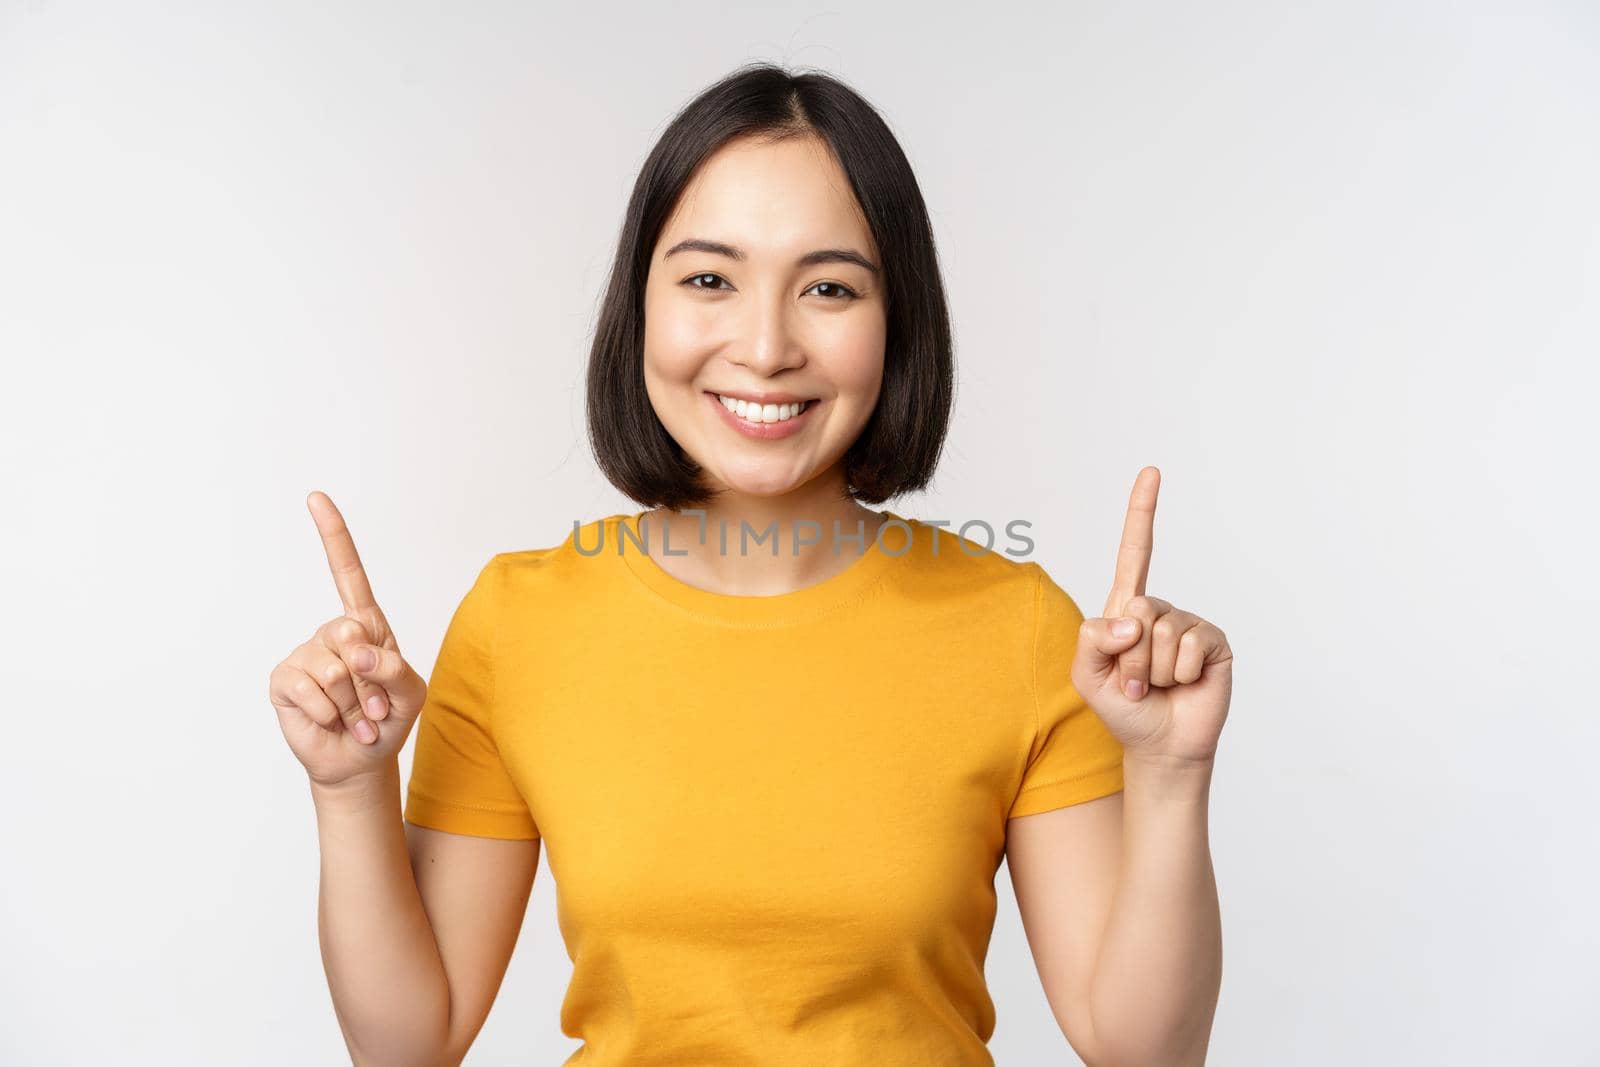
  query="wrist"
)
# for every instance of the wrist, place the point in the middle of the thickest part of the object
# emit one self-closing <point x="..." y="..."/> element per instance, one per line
<point x="1167" y="775"/>
<point x="359" y="793"/>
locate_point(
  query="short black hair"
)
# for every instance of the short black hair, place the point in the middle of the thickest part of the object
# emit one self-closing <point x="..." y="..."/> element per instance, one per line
<point x="899" y="446"/>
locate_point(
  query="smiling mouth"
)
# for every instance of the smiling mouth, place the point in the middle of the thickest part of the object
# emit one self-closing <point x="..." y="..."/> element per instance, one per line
<point x="761" y="414"/>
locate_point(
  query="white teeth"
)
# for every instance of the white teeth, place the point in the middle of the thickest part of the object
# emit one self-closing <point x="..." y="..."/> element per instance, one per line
<point x="762" y="412"/>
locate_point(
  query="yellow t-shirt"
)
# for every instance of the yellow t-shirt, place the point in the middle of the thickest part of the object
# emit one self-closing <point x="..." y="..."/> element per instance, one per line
<point x="774" y="823"/>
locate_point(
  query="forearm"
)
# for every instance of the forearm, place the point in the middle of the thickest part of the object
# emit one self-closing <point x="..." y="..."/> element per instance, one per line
<point x="1155" y="985"/>
<point x="389" y="988"/>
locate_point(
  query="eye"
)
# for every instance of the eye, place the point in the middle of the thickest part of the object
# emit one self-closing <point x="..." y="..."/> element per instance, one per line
<point x="694" y="278"/>
<point x="838" y="292"/>
<point x="849" y="293"/>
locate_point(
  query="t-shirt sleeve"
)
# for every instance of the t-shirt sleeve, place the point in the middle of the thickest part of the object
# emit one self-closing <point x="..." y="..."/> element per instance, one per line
<point x="458" y="781"/>
<point x="1074" y="756"/>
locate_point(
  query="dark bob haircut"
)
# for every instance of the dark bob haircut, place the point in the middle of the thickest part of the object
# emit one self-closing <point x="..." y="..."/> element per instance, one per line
<point x="899" y="446"/>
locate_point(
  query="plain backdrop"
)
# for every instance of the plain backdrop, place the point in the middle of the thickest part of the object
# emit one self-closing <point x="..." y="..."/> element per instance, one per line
<point x="1332" y="267"/>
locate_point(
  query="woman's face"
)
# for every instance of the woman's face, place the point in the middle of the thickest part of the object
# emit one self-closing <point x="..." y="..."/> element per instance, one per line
<point x="763" y="319"/>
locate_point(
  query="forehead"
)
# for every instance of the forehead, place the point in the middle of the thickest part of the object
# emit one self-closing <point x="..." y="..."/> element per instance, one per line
<point x="770" y="197"/>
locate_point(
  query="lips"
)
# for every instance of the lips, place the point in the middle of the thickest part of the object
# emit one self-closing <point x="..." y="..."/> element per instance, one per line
<point x="762" y="411"/>
<point x="763" y="431"/>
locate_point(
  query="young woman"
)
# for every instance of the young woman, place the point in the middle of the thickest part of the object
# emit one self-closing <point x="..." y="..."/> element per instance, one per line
<point x="776" y="785"/>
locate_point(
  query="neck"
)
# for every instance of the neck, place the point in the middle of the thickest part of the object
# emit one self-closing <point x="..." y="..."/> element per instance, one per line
<point x="807" y="513"/>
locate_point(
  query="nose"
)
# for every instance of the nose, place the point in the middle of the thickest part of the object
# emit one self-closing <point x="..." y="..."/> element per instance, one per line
<point x="771" y="342"/>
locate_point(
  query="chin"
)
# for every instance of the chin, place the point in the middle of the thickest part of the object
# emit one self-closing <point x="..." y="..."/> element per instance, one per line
<point x="771" y="489"/>
<point x="757" y="483"/>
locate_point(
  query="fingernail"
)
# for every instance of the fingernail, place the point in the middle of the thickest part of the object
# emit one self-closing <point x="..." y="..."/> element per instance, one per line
<point x="1123" y="628"/>
<point x="1134" y="688"/>
<point x="365" y="659"/>
<point x="364" y="732"/>
<point x="374" y="705"/>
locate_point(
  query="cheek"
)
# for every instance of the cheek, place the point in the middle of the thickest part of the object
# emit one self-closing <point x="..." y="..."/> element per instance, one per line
<point x="675" y="338"/>
<point x="855" y="356"/>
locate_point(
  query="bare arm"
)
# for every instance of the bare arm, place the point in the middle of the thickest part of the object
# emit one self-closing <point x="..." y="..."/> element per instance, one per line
<point x="416" y="925"/>
<point x="1119" y="903"/>
<point x="1159" y="973"/>
<point x="475" y="891"/>
<point x="388" y="982"/>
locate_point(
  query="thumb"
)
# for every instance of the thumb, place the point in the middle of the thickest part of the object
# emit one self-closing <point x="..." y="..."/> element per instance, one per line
<point x="390" y="670"/>
<point x="1102" y="640"/>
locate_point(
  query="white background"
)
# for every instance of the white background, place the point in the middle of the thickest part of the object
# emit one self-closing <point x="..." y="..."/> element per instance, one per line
<point x="1331" y="267"/>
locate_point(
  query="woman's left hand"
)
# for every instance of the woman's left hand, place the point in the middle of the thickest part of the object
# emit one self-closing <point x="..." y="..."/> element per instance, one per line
<point x="1163" y="687"/>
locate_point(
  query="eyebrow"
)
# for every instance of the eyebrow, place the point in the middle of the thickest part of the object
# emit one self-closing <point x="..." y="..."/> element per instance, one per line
<point x="821" y="255"/>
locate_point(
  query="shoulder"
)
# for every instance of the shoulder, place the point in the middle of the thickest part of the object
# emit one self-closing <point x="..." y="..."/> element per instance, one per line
<point x="572" y="559"/>
<point x="995" y="569"/>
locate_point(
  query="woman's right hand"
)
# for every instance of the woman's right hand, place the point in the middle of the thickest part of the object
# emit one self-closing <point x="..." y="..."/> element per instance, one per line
<point x="344" y="721"/>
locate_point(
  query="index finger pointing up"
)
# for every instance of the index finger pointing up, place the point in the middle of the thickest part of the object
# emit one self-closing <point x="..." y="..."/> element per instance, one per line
<point x="348" y="575"/>
<point x="1138" y="537"/>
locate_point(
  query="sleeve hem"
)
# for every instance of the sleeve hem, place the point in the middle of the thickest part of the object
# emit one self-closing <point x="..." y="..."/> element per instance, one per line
<point x="494" y="651"/>
<point x="1033" y="657"/>
<point x="1053" y="795"/>
<point x="435" y="814"/>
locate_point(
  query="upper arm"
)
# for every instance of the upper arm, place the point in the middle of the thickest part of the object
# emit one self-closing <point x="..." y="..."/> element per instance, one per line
<point x="475" y="893"/>
<point x="1063" y="866"/>
<point x="472" y="840"/>
<point x="1064" y="828"/>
